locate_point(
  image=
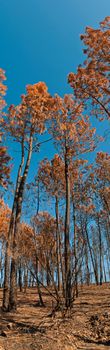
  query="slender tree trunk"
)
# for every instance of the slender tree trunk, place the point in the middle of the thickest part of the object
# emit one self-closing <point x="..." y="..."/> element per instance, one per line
<point x="62" y="267"/>
<point x="13" y="282"/>
<point x="48" y="272"/>
<point x="42" y="274"/>
<point x="87" y="266"/>
<point x="6" y="278"/>
<point x="38" y="284"/>
<point x="2" y="265"/>
<point x="52" y="268"/>
<point x="10" y="236"/>
<point x="81" y="277"/>
<point x="75" y="253"/>
<point x="37" y="261"/>
<point x="20" y="277"/>
<point x="105" y="278"/>
<point x="57" y="243"/>
<point x="90" y="250"/>
<point x="25" y="278"/>
<point x="100" y="251"/>
<point x="67" y="228"/>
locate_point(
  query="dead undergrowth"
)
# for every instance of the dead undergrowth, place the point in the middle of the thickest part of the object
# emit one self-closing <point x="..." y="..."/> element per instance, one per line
<point x="86" y="326"/>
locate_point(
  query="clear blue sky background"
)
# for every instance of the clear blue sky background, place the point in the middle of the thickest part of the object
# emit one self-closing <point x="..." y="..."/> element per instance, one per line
<point x="40" y="41"/>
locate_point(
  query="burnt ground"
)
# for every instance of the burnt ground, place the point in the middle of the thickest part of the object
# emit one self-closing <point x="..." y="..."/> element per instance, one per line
<point x="85" y="327"/>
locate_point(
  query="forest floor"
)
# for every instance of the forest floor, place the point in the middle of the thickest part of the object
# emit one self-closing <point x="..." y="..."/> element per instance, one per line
<point x="86" y="327"/>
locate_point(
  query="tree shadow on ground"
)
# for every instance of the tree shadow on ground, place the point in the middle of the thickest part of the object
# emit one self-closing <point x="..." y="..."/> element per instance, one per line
<point x="92" y="341"/>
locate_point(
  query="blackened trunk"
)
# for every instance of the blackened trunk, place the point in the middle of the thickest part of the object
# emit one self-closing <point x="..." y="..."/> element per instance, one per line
<point x="20" y="277"/>
<point x="57" y="243"/>
<point x="25" y="279"/>
<point x="48" y="272"/>
<point x="13" y="287"/>
<point x="8" y="253"/>
<point x="87" y="266"/>
<point x="67" y="228"/>
<point x="75" y="253"/>
<point x="6" y="279"/>
<point x="62" y="267"/>
<point x="38" y="285"/>
<point x="100" y="251"/>
<point x="13" y="280"/>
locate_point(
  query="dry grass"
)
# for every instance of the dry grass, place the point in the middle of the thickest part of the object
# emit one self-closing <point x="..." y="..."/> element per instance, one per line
<point x="32" y="327"/>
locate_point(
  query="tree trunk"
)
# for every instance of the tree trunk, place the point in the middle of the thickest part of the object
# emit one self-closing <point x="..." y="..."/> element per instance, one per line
<point x="62" y="267"/>
<point x="57" y="243"/>
<point x="48" y="272"/>
<point x="6" y="278"/>
<point x="38" y="284"/>
<point x="20" y="277"/>
<point x="42" y="274"/>
<point x="13" y="287"/>
<point x="25" y="278"/>
<point x="105" y="278"/>
<point x="13" y="281"/>
<point x="87" y="266"/>
<point x="75" y="253"/>
<point x="10" y="236"/>
<point x="100" y="251"/>
<point x="67" y="228"/>
<point x="90" y="250"/>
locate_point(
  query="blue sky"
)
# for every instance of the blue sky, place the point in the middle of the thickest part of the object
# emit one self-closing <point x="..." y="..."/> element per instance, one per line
<point x="40" y="41"/>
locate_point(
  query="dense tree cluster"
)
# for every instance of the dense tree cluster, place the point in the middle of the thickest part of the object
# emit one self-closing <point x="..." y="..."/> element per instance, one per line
<point x="70" y="244"/>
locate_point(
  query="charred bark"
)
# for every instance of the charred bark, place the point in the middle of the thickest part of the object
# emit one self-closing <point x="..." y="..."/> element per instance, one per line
<point x="58" y="244"/>
<point x="66" y="233"/>
<point x="13" y="279"/>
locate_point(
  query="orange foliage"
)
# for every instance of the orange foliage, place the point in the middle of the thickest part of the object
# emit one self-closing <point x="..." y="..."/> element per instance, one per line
<point x="51" y="174"/>
<point x="45" y="235"/>
<point x="25" y="241"/>
<point x="30" y="116"/>
<point x="92" y="82"/>
<point x="103" y="177"/>
<point x="70" y="128"/>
